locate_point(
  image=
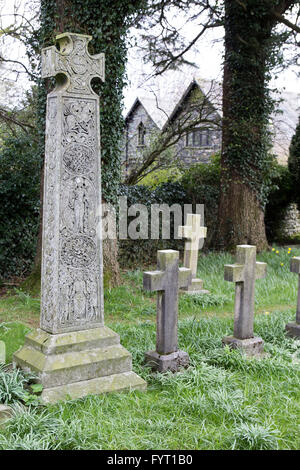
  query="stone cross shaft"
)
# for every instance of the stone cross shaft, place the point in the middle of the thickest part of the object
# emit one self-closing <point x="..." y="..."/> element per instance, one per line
<point x="72" y="293"/>
<point x="166" y="281"/>
<point x="244" y="273"/>
<point x="193" y="232"/>
<point x="73" y="354"/>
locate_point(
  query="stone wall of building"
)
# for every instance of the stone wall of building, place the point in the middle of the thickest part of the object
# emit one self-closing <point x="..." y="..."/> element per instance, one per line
<point x="192" y="155"/>
<point x="132" y="150"/>
<point x="193" y="108"/>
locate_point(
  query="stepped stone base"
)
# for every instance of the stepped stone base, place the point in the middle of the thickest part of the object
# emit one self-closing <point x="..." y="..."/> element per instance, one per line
<point x="196" y="287"/>
<point x="251" y="346"/>
<point x="72" y="365"/>
<point x="293" y="330"/>
<point x="164" y="362"/>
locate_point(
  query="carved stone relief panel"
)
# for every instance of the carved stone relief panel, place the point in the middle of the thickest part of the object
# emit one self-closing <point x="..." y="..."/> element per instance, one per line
<point x="50" y="221"/>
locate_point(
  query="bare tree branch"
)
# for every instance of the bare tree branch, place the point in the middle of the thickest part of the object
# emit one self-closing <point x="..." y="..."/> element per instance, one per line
<point x="2" y="59"/>
<point x="9" y="118"/>
<point x="285" y="21"/>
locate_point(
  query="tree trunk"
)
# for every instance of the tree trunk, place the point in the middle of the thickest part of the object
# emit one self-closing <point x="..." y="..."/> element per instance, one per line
<point x="241" y="218"/>
<point x="245" y="114"/>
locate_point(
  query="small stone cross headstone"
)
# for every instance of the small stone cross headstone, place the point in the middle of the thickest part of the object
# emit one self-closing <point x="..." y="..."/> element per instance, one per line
<point x="73" y="353"/>
<point x="243" y="274"/>
<point x="293" y="328"/>
<point x="193" y="232"/>
<point x="166" y="281"/>
<point x="2" y="352"/>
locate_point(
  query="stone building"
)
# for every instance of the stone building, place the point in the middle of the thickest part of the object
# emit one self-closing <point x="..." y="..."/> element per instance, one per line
<point x="177" y="98"/>
<point x="195" y="110"/>
<point x="180" y="96"/>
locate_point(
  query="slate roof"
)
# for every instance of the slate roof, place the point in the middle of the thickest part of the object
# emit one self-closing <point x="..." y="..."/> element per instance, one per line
<point x="161" y="96"/>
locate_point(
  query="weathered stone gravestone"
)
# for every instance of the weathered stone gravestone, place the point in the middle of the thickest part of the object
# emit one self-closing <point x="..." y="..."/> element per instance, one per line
<point x="244" y="273"/>
<point x="73" y="353"/>
<point x="293" y="328"/>
<point x="2" y="352"/>
<point x="166" y="281"/>
<point x="193" y="232"/>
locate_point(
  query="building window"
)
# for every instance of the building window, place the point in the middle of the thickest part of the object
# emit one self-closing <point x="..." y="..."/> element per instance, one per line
<point x="198" y="138"/>
<point x="141" y="134"/>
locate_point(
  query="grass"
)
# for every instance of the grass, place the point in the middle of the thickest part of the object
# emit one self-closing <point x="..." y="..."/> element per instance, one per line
<point x="222" y="401"/>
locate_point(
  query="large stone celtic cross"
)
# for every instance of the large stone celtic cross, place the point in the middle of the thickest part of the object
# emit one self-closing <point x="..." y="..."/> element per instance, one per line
<point x="73" y="353"/>
<point x="72" y="257"/>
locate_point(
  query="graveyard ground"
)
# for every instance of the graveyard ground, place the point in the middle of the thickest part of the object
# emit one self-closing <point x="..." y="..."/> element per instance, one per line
<point x="223" y="401"/>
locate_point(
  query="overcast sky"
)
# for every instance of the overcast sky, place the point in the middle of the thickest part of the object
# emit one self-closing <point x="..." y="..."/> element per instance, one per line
<point x="207" y="55"/>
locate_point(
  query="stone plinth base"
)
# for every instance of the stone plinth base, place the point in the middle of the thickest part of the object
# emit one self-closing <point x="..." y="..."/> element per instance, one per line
<point x="196" y="287"/>
<point x="72" y="365"/>
<point x="251" y="346"/>
<point x="293" y="330"/>
<point x="164" y="362"/>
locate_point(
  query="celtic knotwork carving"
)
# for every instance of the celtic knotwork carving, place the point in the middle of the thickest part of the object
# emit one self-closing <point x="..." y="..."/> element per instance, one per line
<point x="49" y="223"/>
<point x="79" y="122"/>
<point x="78" y="251"/>
<point x="78" y="159"/>
<point x="74" y="61"/>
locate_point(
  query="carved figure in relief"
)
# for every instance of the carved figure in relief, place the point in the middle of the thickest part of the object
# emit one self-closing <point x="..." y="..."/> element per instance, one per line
<point x="78" y="294"/>
<point x="80" y="204"/>
<point x="92" y="299"/>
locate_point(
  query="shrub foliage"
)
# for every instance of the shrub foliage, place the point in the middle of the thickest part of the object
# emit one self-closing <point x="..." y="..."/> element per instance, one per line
<point x="19" y="208"/>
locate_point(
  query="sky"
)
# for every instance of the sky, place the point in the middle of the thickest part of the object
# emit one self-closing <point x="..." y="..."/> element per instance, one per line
<point x="208" y="56"/>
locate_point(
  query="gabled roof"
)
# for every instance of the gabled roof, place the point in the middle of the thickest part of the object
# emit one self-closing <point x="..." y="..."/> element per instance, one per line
<point x="162" y="106"/>
<point x="163" y="98"/>
<point x="209" y="88"/>
<point x="147" y="105"/>
<point x="160" y="95"/>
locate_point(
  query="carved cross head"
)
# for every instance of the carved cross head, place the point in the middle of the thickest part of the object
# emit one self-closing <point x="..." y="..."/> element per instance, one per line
<point x="246" y="269"/>
<point x="168" y="275"/>
<point x="71" y="63"/>
<point x="192" y="231"/>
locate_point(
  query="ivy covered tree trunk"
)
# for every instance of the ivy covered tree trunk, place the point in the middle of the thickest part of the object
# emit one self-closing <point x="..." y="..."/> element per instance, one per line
<point x="246" y="108"/>
<point x="107" y="23"/>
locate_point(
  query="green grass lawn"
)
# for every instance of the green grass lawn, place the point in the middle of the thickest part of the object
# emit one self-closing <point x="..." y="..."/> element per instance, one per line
<point x="222" y="401"/>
